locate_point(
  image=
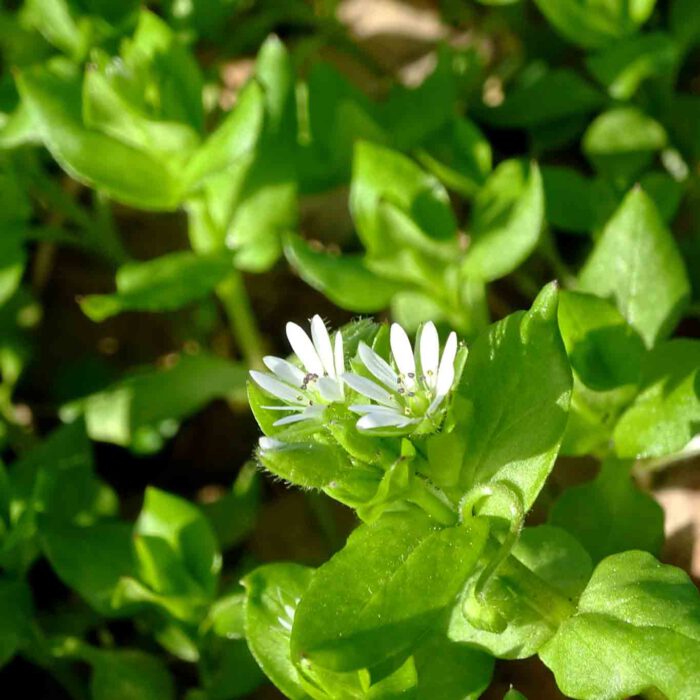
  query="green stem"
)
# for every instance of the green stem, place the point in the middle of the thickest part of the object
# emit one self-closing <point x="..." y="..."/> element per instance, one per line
<point x="245" y="330"/>
<point x="427" y="497"/>
<point x="561" y="269"/>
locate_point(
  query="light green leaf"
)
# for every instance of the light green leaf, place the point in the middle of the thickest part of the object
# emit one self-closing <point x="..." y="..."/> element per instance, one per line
<point x="622" y="141"/>
<point x="596" y="23"/>
<point x="188" y="533"/>
<point x="506" y="221"/>
<point x="376" y="588"/>
<point x="344" y="279"/>
<point x="517" y="381"/>
<point x="610" y="514"/>
<point x="272" y="595"/>
<point x="52" y="95"/>
<point x="162" y="284"/>
<point x="666" y="414"/>
<point x="559" y="561"/>
<point x="625" y="65"/>
<point x="636" y="262"/>
<point x="637" y="628"/>
<point x="142" y="410"/>
<point x="555" y="95"/>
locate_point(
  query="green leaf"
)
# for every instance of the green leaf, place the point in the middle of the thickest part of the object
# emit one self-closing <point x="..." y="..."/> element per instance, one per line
<point x="395" y="206"/>
<point x="13" y="258"/>
<point x="636" y="262"/>
<point x="685" y="22"/>
<point x="375" y="588"/>
<point x="91" y="560"/>
<point x="187" y="531"/>
<point x="666" y="414"/>
<point x="459" y="155"/>
<point x="622" y="141"/>
<point x="52" y="95"/>
<point x="559" y="561"/>
<point x="451" y="671"/>
<point x="596" y="23"/>
<point x="128" y="673"/>
<point x="506" y="221"/>
<point x="344" y="279"/>
<point x="15" y="617"/>
<point x="553" y="96"/>
<point x="273" y="593"/>
<point x="162" y="284"/>
<point x="666" y="191"/>
<point x="625" y="65"/>
<point x="637" y="628"/>
<point x="569" y="198"/>
<point x="605" y="352"/>
<point x="142" y="410"/>
<point x="513" y="694"/>
<point x="517" y="381"/>
<point x="610" y="514"/>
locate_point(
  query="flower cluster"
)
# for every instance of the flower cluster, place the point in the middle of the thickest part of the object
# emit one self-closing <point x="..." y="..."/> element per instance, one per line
<point x="401" y="396"/>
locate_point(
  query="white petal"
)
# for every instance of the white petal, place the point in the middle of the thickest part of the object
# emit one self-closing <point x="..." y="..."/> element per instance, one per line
<point x="446" y="373"/>
<point x="429" y="353"/>
<point x="379" y="367"/>
<point x="362" y="408"/>
<point x="435" y="404"/>
<point x="284" y="408"/>
<point x="339" y="355"/>
<point x="286" y="371"/>
<point x="382" y="420"/>
<point x="304" y="349"/>
<point x="267" y="443"/>
<point x="403" y="354"/>
<point x="322" y="343"/>
<point x="368" y="388"/>
<point x="277" y="388"/>
<point x="308" y="414"/>
<point x="330" y="389"/>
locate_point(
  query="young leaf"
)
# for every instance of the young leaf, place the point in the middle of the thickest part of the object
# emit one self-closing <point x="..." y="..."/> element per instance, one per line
<point x="142" y="410"/>
<point x="610" y="514"/>
<point x="518" y="383"/>
<point x="637" y="628"/>
<point x="596" y="23"/>
<point x="53" y="97"/>
<point x="569" y="198"/>
<point x="375" y="590"/>
<point x="162" y="284"/>
<point x="344" y="279"/>
<point x="637" y="263"/>
<point x="185" y="528"/>
<point x="666" y="414"/>
<point x="272" y="595"/>
<point x="506" y="221"/>
<point x="560" y="563"/>
<point x="622" y="141"/>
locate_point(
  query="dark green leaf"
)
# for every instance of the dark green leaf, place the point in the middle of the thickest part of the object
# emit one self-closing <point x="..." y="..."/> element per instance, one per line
<point x="569" y="198"/>
<point x="163" y="284"/>
<point x="15" y="617"/>
<point x="127" y="673"/>
<point x="610" y="514"/>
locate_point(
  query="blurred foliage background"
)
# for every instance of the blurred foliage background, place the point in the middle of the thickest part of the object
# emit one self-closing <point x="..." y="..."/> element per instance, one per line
<point x="180" y="178"/>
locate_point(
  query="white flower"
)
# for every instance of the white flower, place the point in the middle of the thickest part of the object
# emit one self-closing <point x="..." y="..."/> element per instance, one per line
<point x="410" y="394"/>
<point x="305" y="392"/>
